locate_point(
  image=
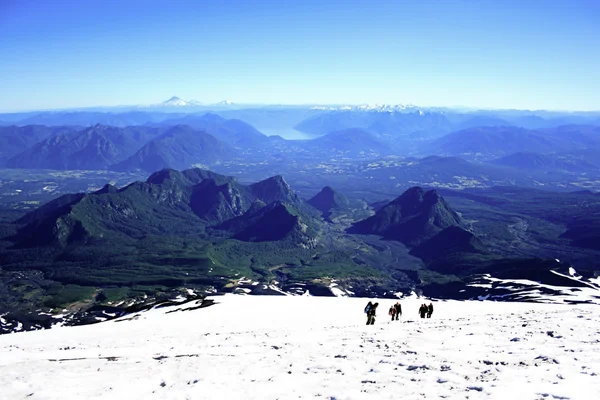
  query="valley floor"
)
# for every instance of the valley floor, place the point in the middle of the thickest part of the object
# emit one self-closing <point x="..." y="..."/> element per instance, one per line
<point x="254" y="347"/>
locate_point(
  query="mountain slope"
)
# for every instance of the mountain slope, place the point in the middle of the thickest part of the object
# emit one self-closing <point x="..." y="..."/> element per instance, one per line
<point x="214" y="202"/>
<point x="231" y="131"/>
<point x="412" y="218"/>
<point x="392" y="124"/>
<point x="541" y="162"/>
<point x="328" y="200"/>
<point x="349" y="141"/>
<point x="274" y="189"/>
<point x="161" y="349"/>
<point x="90" y="118"/>
<point x="573" y="136"/>
<point x="481" y="120"/>
<point x="274" y="222"/>
<point x="15" y="140"/>
<point x="180" y="147"/>
<point x="96" y="147"/>
<point x="491" y="142"/>
<point x="168" y="203"/>
<point x="450" y="241"/>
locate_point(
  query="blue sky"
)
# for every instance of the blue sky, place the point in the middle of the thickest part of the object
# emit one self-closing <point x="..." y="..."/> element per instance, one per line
<point x="530" y="54"/>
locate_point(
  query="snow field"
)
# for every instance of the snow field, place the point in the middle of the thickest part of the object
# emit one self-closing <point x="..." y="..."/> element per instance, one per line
<point x="297" y="347"/>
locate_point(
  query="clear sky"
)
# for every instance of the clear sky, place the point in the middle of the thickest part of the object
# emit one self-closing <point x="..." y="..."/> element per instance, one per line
<point x="528" y="54"/>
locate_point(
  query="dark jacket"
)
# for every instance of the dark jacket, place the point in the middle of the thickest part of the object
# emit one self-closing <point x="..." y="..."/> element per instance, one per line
<point x="373" y="309"/>
<point x="398" y="308"/>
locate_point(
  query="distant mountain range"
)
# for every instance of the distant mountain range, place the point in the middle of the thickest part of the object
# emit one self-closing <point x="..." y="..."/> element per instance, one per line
<point x="97" y="147"/>
<point x="387" y="108"/>
<point x="350" y="142"/>
<point x="231" y="131"/>
<point x="474" y="157"/>
<point x="14" y="140"/>
<point x="392" y="122"/>
<point x="398" y="122"/>
<point x="461" y="118"/>
<point x="179" y="147"/>
<point x="209" y="139"/>
<point x="486" y="143"/>
<point x="177" y="102"/>
<point x="489" y="141"/>
<point x="386" y="124"/>
<point x="121" y="118"/>
<point x="529" y="161"/>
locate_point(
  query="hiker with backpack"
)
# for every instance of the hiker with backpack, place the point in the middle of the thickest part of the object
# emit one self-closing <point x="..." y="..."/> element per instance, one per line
<point x="429" y="310"/>
<point x="392" y="312"/>
<point x="398" y="309"/>
<point x="370" y="310"/>
<point x="423" y="310"/>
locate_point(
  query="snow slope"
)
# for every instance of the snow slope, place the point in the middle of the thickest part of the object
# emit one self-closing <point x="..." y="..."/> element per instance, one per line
<point x="578" y="292"/>
<point x="292" y="347"/>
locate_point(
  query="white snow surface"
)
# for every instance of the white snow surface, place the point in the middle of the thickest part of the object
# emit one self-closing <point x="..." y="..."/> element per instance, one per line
<point x="533" y="291"/>
<point x="295" y="347"/>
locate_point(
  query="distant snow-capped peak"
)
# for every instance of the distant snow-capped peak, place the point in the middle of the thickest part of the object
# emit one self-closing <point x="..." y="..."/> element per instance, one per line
<point x="372" y="107"/>
<point x="173" y="102"/>
<point x="179" y="102"/>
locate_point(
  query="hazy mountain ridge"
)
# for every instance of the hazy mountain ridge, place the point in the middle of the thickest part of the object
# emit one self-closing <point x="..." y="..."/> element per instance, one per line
<point x="179" y="147"/>
<point x="97" y="147"/>
<point x="498" y="141"/>
<point x="234" y="132"/>
<point x="544" y="162"/>
<point x="389" y="123"/>
<point x="488" y="141"/>
<point x="147" y="148"/>
<point x="364" y="135"/>
<point x="350" y="141"/>
<point x="15" y="139"/>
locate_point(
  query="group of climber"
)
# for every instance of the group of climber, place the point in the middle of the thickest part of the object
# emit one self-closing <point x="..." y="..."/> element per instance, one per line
<point x="395" y="311"/>
<point x="426" y="310"/>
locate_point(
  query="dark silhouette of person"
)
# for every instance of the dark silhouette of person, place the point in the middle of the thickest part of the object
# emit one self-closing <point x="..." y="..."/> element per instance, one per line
<point x="367" y="309"/>
<point x="398" y="308"/>
<point x="423" y="310"/>
<point x="429" y="310"/>
<point x="371" y="313"/>
<point x="392" y="312"/>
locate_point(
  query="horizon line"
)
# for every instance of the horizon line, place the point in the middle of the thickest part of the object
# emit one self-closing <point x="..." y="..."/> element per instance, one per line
<point x="225" y="103"/>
